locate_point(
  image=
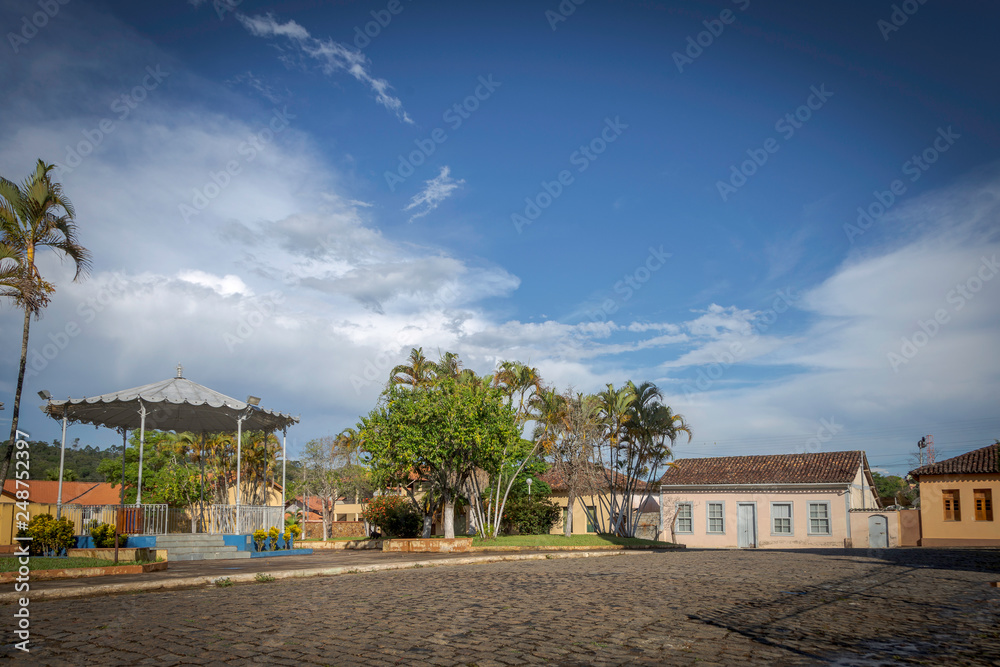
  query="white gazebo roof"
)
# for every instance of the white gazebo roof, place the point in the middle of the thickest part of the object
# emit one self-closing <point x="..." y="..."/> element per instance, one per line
<point x="177" y="404"/>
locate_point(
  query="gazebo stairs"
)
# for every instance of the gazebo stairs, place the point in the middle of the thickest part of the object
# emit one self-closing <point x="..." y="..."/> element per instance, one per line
<point x="198" y="546"/>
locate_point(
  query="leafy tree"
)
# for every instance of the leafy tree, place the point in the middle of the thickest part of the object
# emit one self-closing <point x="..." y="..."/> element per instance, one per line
<point x="330" y="470"/>
<point x="895" y="487"/>
<point x="439" y="433"/>
<point x="393" y="516"/>
<point x="33" y="216"/>
<point x="570" y="432"/>
<point x="166" y="478"/>
<point x="532" y="515"/>
<point x="417" y="372"/>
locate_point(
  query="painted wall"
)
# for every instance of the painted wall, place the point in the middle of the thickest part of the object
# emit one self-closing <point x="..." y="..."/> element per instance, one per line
<point x="800" y="537"/>
<point x="966" y="532"/>
<point x="580" y="512"/>
<point x="860" y="524"/>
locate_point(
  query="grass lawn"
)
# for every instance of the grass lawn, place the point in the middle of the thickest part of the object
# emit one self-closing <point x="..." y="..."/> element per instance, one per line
<point x="563" y="541"/>
<point x="8" y="564"/>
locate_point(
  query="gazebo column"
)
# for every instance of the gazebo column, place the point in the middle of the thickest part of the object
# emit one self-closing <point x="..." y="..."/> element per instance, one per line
<point x="239" y="452"/>
<point x="62" y="462"/>
<point x="284" y="460"/>
<point x="142" y="442"/>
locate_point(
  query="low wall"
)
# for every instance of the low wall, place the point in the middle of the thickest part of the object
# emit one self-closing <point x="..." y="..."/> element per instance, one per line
<point x="314" y="529"/>
<point x="109" y="554"/>
<point x="344" y="544"/>
<point x="434" y="545"/>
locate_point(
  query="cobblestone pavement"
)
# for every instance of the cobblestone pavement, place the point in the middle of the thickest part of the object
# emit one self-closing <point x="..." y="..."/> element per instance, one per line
<point x="840" y="607"/>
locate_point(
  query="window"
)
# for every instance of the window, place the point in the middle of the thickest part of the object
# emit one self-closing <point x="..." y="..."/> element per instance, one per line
<point x="952" y="508"/>
<point x="819" y="518"/>
<point x="591" y="513"/>
<point x="984" y="504"/>
<point x="716" y="523"/>
<point x="781" y="518"/>
<point x="685" y="520"/>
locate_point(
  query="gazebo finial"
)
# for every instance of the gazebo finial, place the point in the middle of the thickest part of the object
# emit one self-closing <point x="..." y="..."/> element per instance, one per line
<point x="180" y="371"/>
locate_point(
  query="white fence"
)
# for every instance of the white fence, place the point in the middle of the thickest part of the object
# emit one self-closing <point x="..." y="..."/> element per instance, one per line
<point x="161" y="519"/>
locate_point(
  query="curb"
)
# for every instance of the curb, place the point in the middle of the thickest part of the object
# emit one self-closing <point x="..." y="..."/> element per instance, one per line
<point x="249" y="577"/>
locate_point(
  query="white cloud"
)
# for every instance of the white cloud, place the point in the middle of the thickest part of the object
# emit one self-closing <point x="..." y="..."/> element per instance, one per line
<point x="436" y="191"/>
<point x="227" y="285"/>
<point x="333" y="56"/>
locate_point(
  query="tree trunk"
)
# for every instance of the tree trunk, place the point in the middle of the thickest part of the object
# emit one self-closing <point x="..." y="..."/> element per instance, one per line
<point x="570" y="502"/>
<point x="449" y="516"/>
<point x="428" y="522"/>
<point x="5" y="467"/>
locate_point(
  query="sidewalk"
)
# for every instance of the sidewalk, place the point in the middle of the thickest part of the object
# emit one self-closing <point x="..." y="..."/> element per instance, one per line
<point x="187" y="574"/>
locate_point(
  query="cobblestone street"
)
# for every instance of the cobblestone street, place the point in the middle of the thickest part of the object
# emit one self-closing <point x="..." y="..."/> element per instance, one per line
<point x="841" y="607"/>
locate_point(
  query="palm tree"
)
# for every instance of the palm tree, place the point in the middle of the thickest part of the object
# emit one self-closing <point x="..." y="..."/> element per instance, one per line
<point x="417" y="372"/>
<point x="448" y="366"/>
<point x="521" y="380"/>
<point x="33" y="216"/>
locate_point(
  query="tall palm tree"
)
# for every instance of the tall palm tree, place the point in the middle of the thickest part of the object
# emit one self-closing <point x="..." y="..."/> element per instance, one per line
<point x="33" y="216"/>
<point x="448" y="366"/>
<point x="521" y="381"/>
<point x="417" y="372"/>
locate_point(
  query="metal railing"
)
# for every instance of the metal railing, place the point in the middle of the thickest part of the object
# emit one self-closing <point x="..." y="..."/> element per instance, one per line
<point x="161" y="519"/>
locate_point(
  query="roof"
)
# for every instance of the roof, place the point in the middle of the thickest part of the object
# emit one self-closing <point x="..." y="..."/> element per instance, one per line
<point x="820" y="468"/>
<point x="74" y="493"/>
<point x="982" y="460"/>
<point x="600" y="476"/>
<point x="176" y="404"/>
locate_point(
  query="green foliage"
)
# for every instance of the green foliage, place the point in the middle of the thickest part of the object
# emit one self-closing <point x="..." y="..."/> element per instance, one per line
<point x="263" y="577"/>
<point x="224" y="582"/>
<point x="394" y="516"/>
<point x="50" y="536"/>
<point x="273" y="533"/>
<point x="81" y="462"/>
<point x="104" y="536"/>
<point x="296" y="530"/>
<point x="534" y="516"/>
<point x="895" y="487"/>
<point x="166" y="476"/>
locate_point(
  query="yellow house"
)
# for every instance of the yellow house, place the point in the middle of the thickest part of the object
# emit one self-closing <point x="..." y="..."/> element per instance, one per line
<point x="956" y="499"/>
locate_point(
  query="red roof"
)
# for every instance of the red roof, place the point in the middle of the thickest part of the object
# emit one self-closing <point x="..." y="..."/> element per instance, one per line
<point x="978" y="461"/>
<point x="821" y="468"/>
<point x="599" y="475"/>
<point x="73" y="493"/>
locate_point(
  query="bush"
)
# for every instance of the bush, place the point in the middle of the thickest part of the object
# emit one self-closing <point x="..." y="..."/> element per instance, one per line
<point x="104" y="536"/>
<point x="260" y="538"/>
<point x="394" y="516"/>
<point x="49" y="536"/>
<point x="527" y="516"/>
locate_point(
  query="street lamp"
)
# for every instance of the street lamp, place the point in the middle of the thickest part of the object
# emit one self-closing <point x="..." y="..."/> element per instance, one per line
<point x="529" y="488"/>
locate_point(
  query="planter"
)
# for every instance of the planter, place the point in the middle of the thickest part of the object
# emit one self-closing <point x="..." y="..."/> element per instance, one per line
<point x="432" y="545"/>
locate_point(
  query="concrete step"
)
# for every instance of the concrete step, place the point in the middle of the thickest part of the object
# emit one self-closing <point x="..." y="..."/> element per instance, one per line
<point x="177" y="551"/>
<point x="167" y="541"/>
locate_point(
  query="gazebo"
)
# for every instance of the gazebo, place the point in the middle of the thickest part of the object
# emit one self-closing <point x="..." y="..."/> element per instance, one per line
<point x="177" y="404"/>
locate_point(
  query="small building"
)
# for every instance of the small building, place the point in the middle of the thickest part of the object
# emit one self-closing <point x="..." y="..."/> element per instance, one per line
<point x="956" y="499"/>
<point x="778" y="501"/>
<point x="595" y="503"/>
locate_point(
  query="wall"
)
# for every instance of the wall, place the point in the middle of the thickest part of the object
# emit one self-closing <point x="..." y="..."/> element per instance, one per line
<point x="580" y="513"/>
<point x="967" y="532"/>
<point x="860" y="524"/>
<point x="909" y="528"/>
<point x="763" y="499"/>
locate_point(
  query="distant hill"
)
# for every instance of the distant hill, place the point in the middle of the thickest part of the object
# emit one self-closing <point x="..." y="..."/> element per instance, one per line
<point x="81" y="461"/>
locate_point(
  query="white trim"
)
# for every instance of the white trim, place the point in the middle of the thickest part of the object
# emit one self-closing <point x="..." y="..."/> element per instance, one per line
<point x="791" y="518"/>
<point x="829" y="517"/>
<point x="708" y="517"/>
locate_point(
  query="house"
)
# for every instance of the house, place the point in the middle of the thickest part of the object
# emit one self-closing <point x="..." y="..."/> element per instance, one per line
<point x="956" y="499"/>
<point x="587" y="506"/>
<point x="42" y="497"/>
<point x="777" y="501"/>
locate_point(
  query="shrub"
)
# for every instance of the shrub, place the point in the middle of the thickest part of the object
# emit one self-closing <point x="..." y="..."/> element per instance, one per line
<point x="296" y="530"/>
<point x="50" y="536"/>
<point x="527" y="516"/>
<point x="260" y="539"/>
<point x="273" y="533"/>
<point x="104" y="536"/>
<point x="394" y="516"/>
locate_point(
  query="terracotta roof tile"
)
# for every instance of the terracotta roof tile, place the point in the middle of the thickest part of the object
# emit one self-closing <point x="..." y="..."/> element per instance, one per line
<point x="74" y="493"/>
<point x="821" y="468"/>
<point x="982" y="460"/>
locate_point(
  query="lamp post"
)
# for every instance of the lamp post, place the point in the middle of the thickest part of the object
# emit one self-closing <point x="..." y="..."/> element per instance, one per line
<point x="529" y="489"/>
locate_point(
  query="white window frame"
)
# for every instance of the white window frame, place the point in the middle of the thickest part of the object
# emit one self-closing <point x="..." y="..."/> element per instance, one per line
<point x="708" y="517"/>
<point x="689" y="517"/>
<point x="790" y="517"/>
<point x="809" y="517"/>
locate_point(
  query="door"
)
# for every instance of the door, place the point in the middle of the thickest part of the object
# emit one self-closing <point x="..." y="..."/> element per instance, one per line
<point x="878" y="534"/>
<point x="746" y="525"/>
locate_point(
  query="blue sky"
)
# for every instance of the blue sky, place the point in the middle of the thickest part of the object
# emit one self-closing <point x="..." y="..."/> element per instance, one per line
<point x="287" y="197"/>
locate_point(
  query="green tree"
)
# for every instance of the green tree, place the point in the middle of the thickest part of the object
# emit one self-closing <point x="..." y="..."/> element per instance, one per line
<point x="441" y="433"/>
<point x="419" y="371"/>
<point x="166" y="478"/>
<point x="331" y="470"/>
<point x="33" y="216"/>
